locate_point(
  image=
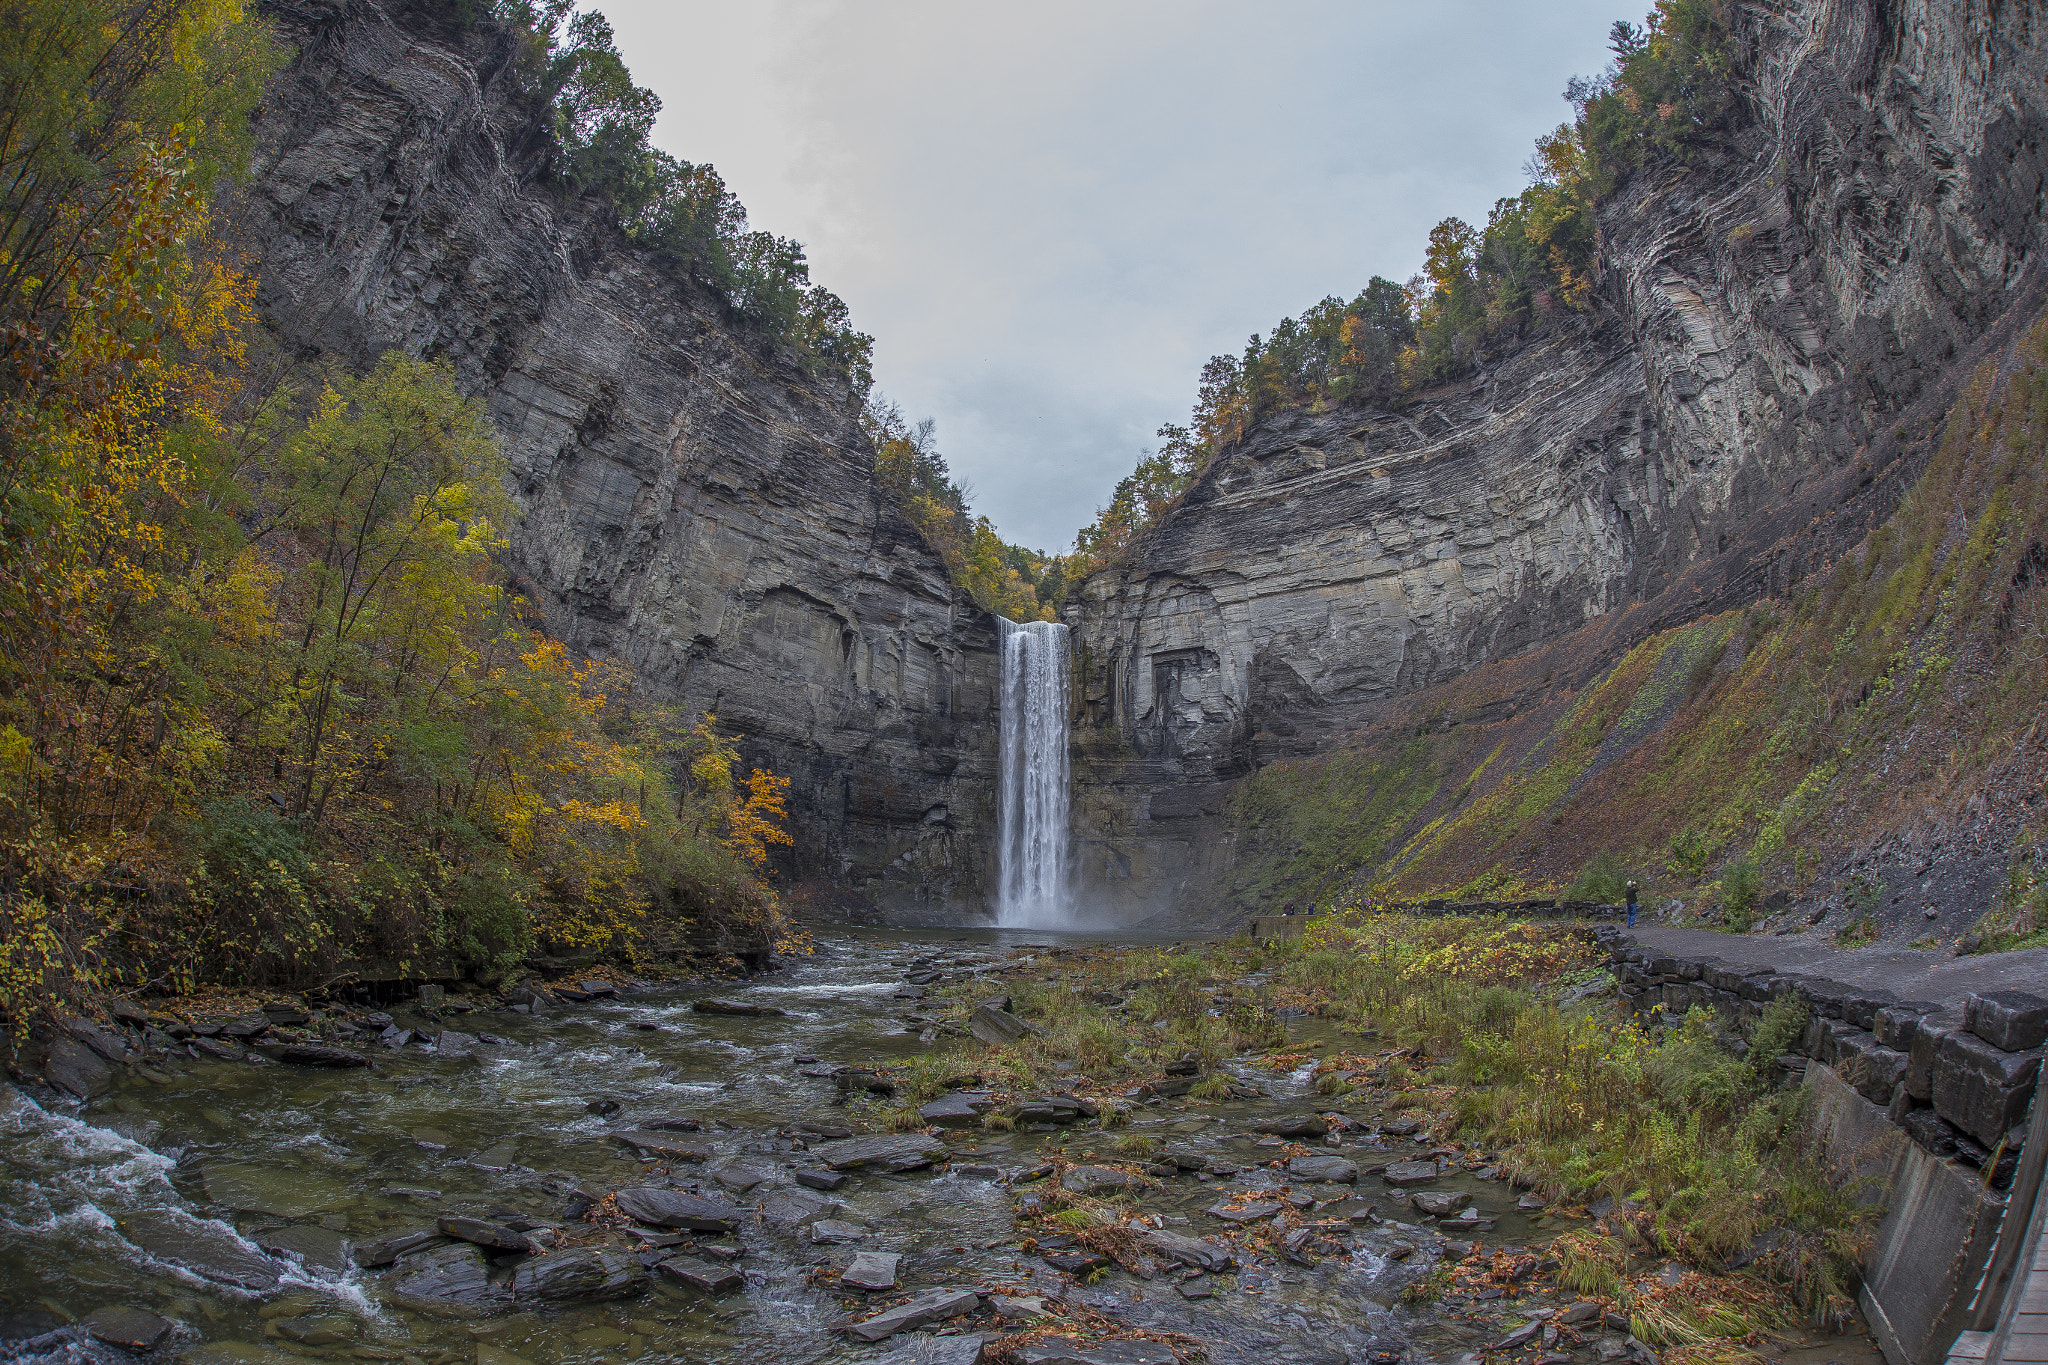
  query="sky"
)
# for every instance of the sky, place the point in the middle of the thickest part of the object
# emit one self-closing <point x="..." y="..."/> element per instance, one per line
<point x="1050" y="215"/>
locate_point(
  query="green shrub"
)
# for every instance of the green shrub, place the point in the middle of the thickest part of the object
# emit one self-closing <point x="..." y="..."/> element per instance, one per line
<point x="1741" y="889"/>
<point x="1604" y="881"/>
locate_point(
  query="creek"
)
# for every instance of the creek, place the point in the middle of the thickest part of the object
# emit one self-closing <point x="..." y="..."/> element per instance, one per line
<point x="236" y="1198"/>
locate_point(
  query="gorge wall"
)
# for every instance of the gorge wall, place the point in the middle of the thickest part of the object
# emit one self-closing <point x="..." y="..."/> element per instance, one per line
<point x="1780" y="324"/>
<point x="695" y="505"/>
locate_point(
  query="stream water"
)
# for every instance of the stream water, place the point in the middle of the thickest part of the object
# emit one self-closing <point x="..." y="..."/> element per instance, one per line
<point x="227" y="1196"/>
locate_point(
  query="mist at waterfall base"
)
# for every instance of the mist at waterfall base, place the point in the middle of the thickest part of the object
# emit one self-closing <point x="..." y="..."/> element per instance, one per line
<point x="1032" y="881"/>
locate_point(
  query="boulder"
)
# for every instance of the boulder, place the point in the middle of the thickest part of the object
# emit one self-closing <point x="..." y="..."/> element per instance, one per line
<point x="735" y="1007"/>
<point x="833" y="1232"/>
<point x="1100" y="1180"/>
<point x="674" y="1209"/>
<point x="897" y="1152"/>
<point x="584" y="1275"/>
<point x="874" y="1271"/>
<point x="1329" y="1169"/>
<point x="998" y="1027"/>
<point x="76" y="1070"/>
<point x="484" y="1233"/>
<point x="701" y="1276"/>
<point x="739" y="1179"/>
<point x="1440" y="1203"/>
<point x="1248" y="1213"/>
<point x="310" y="1054"/>
<point x="448" y="1281"/>
<point x="934" y="1305"/>
<point x="819" y="1180"/>
<point x="1296" y="1126"/>
<point x="370" y="1255"/>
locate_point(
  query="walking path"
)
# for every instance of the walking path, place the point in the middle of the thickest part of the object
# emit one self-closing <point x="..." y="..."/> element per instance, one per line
<point x="1910" y="973"/>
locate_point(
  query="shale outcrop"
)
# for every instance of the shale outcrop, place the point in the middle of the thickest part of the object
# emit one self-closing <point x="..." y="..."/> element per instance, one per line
<point x="1781" y="322"/>
<point x="696" y="505"/>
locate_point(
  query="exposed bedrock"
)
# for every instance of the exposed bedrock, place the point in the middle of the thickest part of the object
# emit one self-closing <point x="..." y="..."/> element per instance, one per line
<point x="695" y="506"/>
<point x="1780" y="325"/>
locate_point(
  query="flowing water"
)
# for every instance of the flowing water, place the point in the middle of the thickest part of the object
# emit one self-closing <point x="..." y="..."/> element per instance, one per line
<point x="165" y="1194"/>
<point x="1032" y="889"/>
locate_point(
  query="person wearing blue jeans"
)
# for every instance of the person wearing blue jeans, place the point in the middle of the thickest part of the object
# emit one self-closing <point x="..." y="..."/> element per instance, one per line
<point x="1631" y="902"/>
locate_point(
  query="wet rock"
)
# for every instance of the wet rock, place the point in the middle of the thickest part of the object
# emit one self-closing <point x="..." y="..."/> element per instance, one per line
<point x="315" y="1247"/>
<point x="1100" y="1180"/>
<point x="311" y="1054"/>
<point x="829" y="1132"/>
<point x="484" y="1233"/>
<point x="1187" y="1251"/>
<point x="673" y="1126"/>
<point x="75" y="1069"/>
<point x="597" y="990"/>
<point x="934" y="1305"/>
<point x="700" y="1275"/>
<point x="454" y="1043"/>
<point x="901" y="1152"/>
<point x="605" y="1107"/>
<point x="859" y="1080"/>
<point x="247" y="1027"/>
<point x="1402" y="1127"/>
<point x="584" y="1275"/>
<point x="794" y="1208"/>
<point x="318" y="1330"/>
<point x="448" y="1281"/>
<point x="1074" y="1260"/>
<point x="962" y="1109"/>
<point x="1295" y="1126"/>
<point x="1053" y="1109"/>
<point x="1410" y="1173"/>
<point x="370" y="1255"/>
<point x="674" y="1209"/>
<point x="819" y="1180"/>
<point x="997" y="1027"/>
<point x="1329" y="1169"/>
<point x="1066" y="1351"/>
<point x="393" y="1037"/>
<point x="214" y="1048"/>
<point x="1440" y="1203"/>
<point x="871" y="1270"/>
<point x="735" y="1007"/>
<point x="1247" y="1213"/>
<point x="131" y="1329"/>
<point x="923" y="1348"/>
<point x="664" y="1144"/>
<point x="207" y="1249"/>
<point x="1578" y="1313"/>
<point x="740" y="1179"/>
<point x="833" y="1232"/>
<point x="1520" y="1336"/>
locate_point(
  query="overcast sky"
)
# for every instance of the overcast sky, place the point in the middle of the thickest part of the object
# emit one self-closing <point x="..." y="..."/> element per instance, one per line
<point x="1049" y="215"/>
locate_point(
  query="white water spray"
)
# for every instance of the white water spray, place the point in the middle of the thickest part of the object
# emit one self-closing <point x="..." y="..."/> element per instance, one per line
<point x="1032" y="856"/>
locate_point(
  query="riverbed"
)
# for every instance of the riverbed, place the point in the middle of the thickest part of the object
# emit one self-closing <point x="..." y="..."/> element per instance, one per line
<point x="238" y="1199"/>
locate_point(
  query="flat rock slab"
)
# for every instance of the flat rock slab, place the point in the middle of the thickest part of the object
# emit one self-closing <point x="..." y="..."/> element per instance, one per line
<point x="934" y="1305"/>
<point x="962" y="1109"/>
<point x="1100" y="1180"/>
<point x="674" y="1209"/>
<point x="1296" y="1125"/>
<point x="1410" y="1173"/>
<point x="1330" y="1169"/>
<point x="829" y="1231"/>
<point x="584" y="1275"/>
<point x="1249" y="1213"/>
<point x="794" y="1208"/>
<point x="131" y="1329"/>
<point x="820" y="1180"/>
<point x="900" y="1152"/>
<point x="735" y="1007"/>
<point x="923" y="1348"/>
<point x="310" y="1054"/>
<point x="206" y="1249"/>
<point x="701" y="1275"/>
<point x="998" y="1027"/>
<point x="379" y="1253"/>
<point x="1067" y="1351"/>
<point x="740" y="1179"/>
<point x="484" y="1233"/>
<point x="449" y="1281"/>
<point x="315" y="1247"/>
<point x="1187" y="1251"/>
<point x="1439" y="1203"/>
<point x="664" y="1144"/>
<point x="871" y="1270"/>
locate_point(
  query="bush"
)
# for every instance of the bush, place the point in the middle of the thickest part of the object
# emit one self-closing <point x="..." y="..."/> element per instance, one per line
<point x="1603" y="881"/>
<point x="1741" y="889"/>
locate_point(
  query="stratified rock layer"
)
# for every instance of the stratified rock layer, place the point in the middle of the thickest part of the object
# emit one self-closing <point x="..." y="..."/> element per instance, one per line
<point x="1780" y="323"/>
<point x="696" y="505"/>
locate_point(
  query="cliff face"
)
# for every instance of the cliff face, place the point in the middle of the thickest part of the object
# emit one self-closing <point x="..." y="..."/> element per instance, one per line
<point x="694" y="505"/>
<point x="1780" y="323"/>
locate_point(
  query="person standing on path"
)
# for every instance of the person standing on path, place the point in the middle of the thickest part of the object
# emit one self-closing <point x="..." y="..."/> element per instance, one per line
<point x="1631" y="902"/>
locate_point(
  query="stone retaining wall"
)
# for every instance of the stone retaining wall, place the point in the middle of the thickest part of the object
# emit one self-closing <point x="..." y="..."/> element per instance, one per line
<point x="1929" y="1099"/>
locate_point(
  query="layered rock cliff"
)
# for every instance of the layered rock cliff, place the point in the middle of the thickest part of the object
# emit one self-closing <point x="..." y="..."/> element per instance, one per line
<point x="1780" y="322"/>
<point x="695" y="505"/>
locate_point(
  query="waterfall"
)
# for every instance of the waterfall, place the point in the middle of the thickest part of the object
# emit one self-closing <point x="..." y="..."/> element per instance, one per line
<point x="1032" y="825"/>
